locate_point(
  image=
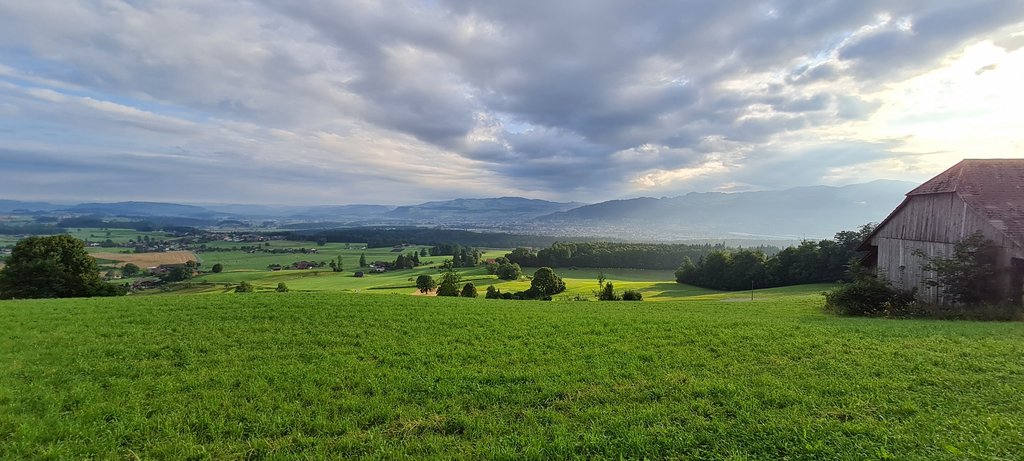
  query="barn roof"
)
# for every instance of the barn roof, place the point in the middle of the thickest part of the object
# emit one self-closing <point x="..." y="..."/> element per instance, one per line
<point x="993" y="188"/>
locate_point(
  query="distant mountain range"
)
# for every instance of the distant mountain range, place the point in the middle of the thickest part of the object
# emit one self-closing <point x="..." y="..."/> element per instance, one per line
<point x="803" y="212"/>
<point x="503" y="209"/>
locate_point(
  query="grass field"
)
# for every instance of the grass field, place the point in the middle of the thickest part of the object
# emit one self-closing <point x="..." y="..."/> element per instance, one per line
<point x="332" y="375"/>
<point x="91" y="234"/>
<point x="349" y="252"/>
<point x="655" y="285"/>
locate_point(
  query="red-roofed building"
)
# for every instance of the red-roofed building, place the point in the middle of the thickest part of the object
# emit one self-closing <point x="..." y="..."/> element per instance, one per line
<point x="974" y="196"/>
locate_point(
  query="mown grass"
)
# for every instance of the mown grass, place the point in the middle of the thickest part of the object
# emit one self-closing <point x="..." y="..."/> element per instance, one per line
<point x="322" y="375"/>
<point x="94" y="234"/>
<point x="655" y="285"/>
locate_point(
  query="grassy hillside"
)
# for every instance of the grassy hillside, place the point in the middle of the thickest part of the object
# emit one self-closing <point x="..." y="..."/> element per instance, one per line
<point x="655" y="285"/>
<point x="329" y="375"/>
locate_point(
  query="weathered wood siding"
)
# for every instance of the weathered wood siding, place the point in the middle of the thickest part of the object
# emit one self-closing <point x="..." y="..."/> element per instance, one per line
<point x="932" y="224"/>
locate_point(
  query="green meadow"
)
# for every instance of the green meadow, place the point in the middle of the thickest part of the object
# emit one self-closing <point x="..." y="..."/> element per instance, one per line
<point x="655" y="285"/>
<point x="91" y="234"/>
<point x="242" y="266"/>
<point x="337" y="375"/>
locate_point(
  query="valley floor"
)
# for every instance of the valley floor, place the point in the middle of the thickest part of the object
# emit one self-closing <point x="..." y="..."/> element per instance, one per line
<point x="332" y="375"/>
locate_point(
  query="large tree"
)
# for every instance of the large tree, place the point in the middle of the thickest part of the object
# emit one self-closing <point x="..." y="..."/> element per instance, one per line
<point x="52" y="267"/>
<point x="450" y="279"/>
<point x="425" y="283"/>
<point x="546" y="283"/>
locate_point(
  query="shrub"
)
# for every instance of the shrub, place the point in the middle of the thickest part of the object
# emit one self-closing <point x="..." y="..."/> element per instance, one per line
<point x="469" y="290"/>
<point x="217" y="268"/>
<point x="632" y="295"/>
<point x="492" y="293"/>
<point x="244" y="287"/>
<point x="282" y="287"/>
<point x="997" y="312"/>
<point x="130" y="270"/>
<point x="968" y="276"/>
<point x="607" y="293"/>
<point x="865" y="296"/>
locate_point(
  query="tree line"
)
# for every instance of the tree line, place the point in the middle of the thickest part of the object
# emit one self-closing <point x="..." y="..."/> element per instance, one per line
<point x="611" y="254"/>
<point x="389" y="236"/>
<point x="821" y="261"/>
<point x="461" y="256"/>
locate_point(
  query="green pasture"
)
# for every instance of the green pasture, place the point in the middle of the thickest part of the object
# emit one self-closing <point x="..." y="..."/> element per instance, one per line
<point x="243" y="260"/>
<point x="91" y="234"/>
<point x="347" y="376"/>
<point x="655" y="285"/>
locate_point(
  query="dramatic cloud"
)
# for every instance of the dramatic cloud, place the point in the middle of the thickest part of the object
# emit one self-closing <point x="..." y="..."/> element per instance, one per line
<point x="350" y="101"/>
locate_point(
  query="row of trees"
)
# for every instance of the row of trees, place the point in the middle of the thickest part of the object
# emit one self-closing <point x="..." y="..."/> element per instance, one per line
<point x="461" y="256"/>
<point x="810" y="262"/>
<point x="610" y="254"/>
<point x="406" y="261"/>
<point x="544" y="285"/>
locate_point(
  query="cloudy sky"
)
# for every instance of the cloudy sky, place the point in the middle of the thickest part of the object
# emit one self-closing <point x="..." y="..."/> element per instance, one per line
<point x="360" y="101"/>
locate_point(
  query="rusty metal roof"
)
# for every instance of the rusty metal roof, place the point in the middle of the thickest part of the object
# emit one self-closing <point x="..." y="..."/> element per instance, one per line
<point x="994" y="188"/>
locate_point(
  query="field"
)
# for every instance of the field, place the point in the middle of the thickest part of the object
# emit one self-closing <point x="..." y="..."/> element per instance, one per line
<point x="145" y="260"/>
<point x="334" y="375"/>
<point x="349" y="252"/>
<point x="90" y="234"/>
<point x="655" y="285"/>
<point x="242" y="266"/>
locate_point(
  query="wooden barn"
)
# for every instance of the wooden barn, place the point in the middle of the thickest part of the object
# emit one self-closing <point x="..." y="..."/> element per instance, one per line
<point x="974" y="196"/>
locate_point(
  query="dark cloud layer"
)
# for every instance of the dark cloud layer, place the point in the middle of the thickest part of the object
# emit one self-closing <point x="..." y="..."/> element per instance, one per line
<point x="568" y="99"/>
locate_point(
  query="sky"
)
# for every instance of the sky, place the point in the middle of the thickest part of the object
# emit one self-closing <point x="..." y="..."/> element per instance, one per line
<point x="359" y="101"/>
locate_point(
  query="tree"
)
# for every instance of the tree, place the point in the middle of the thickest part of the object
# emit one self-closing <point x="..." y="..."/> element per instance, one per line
<point x="492" y="293"/>
<point x="339" y="267"/>
<point x="425" y="283"/>
<point x="608" y="293"/>
<point x="632" y="295"/>
<point x="362" y="260"/>
<point x="449" y="285"/>
<point x="244" y="287"/>
<point x="469" y="290"/>
<point x="508" y="271"/>
<point x="546" y="283"/>
<point x="217" y="268"/>
<point x="177" y="274"/>
<point x="282" y="287"/>
<point x="130" y="270"/>
<point x="52" y="267"/>
<point x="969" y="275"/>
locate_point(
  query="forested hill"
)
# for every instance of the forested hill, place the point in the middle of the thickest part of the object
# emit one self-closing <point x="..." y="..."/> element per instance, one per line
<point x="803" y="212"/>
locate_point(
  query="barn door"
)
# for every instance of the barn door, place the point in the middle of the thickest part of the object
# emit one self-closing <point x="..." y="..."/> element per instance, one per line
<point x="1017" y="280"/>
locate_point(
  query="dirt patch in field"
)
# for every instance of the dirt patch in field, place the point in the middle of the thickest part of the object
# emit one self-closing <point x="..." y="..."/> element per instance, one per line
<point x="429" y="293"/>
<point x="147" y="260"/>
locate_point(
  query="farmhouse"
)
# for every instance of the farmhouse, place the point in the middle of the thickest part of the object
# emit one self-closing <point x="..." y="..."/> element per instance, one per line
<point x="303" y="265"/>
<point x="974" y="196"/>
